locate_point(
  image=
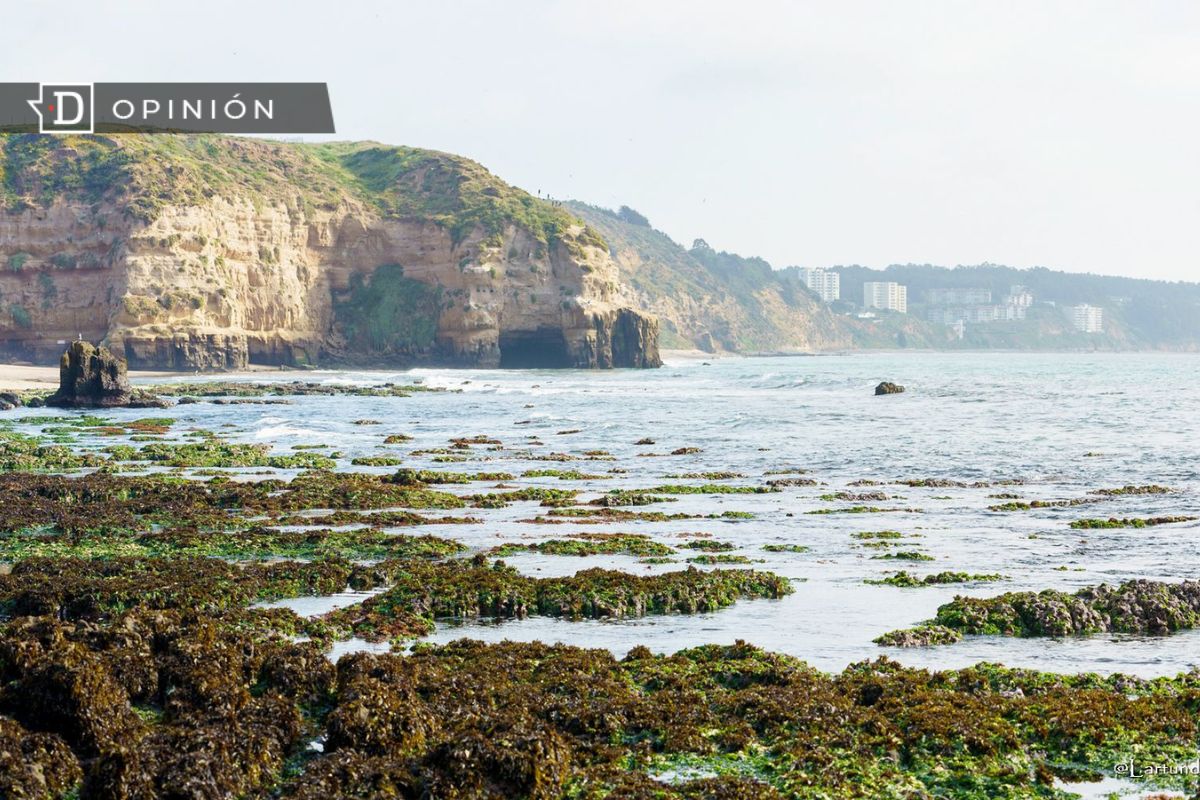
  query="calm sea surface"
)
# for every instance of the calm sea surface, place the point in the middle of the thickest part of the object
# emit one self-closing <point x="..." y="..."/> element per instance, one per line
<point x="1062" y="424"/>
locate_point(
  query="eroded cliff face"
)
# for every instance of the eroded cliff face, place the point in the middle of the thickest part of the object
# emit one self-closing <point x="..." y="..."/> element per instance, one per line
<point x="234" y="280"/>
<point x="714" y="301"/>
<point x="715" y="318"/>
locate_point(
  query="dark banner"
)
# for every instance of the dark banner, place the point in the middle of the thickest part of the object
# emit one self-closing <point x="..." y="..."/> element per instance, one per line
<point x="165" y="108"/>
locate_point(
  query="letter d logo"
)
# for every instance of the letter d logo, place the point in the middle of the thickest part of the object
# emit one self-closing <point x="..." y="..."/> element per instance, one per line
<point x="64" y="108"/>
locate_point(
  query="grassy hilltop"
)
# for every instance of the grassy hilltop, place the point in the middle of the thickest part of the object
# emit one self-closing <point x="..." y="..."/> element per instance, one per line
<point x="144" y="173"/>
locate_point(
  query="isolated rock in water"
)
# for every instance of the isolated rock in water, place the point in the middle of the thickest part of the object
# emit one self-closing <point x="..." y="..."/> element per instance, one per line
<point x="887" y="387"/>
<point x="91" y="377"/>
<point x="9" y="400"/>
<point x="921" y="636"/>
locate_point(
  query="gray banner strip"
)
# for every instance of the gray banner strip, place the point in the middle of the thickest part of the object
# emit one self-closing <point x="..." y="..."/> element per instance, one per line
<point x="277" y="108"/>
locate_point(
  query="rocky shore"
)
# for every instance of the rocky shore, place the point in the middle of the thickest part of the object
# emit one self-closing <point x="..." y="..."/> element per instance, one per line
<point x="176" y="255"/>
<point x="144" y="653"/>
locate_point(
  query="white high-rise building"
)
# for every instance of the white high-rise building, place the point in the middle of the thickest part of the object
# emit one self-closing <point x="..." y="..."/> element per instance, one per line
<point x="1089" y="319"/>
<point x="887" y="295"/>
<point x="1019" y="296"/>
<point x="826" y="283"/>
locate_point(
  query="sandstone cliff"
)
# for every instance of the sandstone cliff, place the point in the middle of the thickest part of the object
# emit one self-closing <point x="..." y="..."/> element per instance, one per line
<point x="715" y="301"/>
<point x="207" y="252"/>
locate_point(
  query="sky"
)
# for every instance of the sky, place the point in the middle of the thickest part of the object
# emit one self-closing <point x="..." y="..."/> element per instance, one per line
<point x="1059" y="134"/>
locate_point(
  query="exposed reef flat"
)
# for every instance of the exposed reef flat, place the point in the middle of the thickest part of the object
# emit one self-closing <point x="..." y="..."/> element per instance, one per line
<point x="167" y="624"/>
<point x="158" y="703"/>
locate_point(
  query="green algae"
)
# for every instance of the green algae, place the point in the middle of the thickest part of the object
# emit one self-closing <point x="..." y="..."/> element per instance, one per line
<point x="730" y="722"/>
<point x="878" y="535"/>
<point x="550" y="498"/>
<point x="375" y="519"/>
<point x="624" y="515"/>
<point x="709" y="488"/>
<point x="208" y="389"/>
<point x="853" y="510"/>
<point x="397" y="438"/>
<point x="708" y="476"/>
<point x="425" y="591"/>
<point x="376" y="461"/>
<point x="1133" y="490"/>
<point x="533" y="721"/>
<point x="710" y="559"/>
<point x="417" y="477"/>
<point x="855" y="497"/>
<point x="24" y="453"/>
<point x="1129" y="522"/>
<point x="1139" y="606"/>
<point x="215" y="453"/>
<point x="590" y="544"/>
<point x="75" y="588"/>
<point x="905" y="555"/>
<point x="107" y="504"/>
<point x="780" y="483"/>
<point x="785" y="548"/>
<point x="624" y="497"/>
<point x="1036" y="504"/>
<point x="251" y="543"/>
<point x="907" y="580"/>
<point x="709" y="545"/>
<point x="561" y="474"/>
<point x="920" y="636"/>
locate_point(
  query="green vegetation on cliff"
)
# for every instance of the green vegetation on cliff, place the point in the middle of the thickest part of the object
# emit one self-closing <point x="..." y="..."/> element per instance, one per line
<point x="389" y="313"/>
<point x="455" y="192"/>
<point x="143" y="173"/>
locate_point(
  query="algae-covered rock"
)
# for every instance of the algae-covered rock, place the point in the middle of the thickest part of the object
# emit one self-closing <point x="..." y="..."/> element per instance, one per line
<point x="921" y="636"/>
<point x="349" y="773"/>
<point x="522" y="757"/>
<point x="67" y="689"/>
<point x="1139" y="606"/>
<point x="480" y="721"/>
<point x="92" y="377"/>
<point x="423" y="591"/>
<point x="34" y="765"/>
<point x="378" y="709"/>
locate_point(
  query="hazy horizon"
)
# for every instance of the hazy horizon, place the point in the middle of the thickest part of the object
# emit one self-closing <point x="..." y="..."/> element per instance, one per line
<point x="1059" y="135"/>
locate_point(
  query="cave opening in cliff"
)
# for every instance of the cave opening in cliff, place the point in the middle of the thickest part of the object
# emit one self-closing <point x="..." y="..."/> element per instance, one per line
<point x="544" y="348"/>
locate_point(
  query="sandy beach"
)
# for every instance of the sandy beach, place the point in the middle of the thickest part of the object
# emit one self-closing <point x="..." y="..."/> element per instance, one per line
<point x="24" y="377"/>
<point x="21" y="377"/>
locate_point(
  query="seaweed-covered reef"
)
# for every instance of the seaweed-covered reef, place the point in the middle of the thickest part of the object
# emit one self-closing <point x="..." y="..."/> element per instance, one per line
<point x="170" y="704"/>
<point x="1139" y="606"/>
<point x="171" y="596"/>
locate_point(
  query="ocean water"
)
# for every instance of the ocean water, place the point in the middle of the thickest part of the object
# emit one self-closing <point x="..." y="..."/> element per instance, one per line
<point x="1061" y="424"/>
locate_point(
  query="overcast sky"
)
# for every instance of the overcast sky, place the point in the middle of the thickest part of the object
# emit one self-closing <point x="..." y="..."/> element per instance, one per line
<point x="1026" y="133"/>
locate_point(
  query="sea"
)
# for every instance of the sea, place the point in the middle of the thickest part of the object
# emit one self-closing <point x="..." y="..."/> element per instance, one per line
<point x="1039" y="426"/>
